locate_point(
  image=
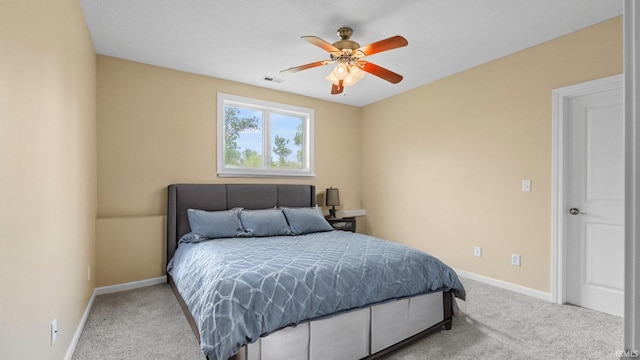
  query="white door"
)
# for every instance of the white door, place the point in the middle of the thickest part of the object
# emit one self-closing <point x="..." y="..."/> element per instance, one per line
<point x="595" y="201"/>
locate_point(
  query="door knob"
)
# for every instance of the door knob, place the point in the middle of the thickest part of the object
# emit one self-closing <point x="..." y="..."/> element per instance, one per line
<point x="576" y="211"/>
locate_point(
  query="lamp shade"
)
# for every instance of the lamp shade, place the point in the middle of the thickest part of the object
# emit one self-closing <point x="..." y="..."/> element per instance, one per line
<point x="332" y="197"/>
<point x="348" y="74"/>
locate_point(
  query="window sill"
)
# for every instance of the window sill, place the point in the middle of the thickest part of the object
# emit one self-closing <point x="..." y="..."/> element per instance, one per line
<point x="266" y="174"/>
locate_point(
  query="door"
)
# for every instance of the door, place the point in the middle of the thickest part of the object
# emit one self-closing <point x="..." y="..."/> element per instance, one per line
<point x="595" y="201"/>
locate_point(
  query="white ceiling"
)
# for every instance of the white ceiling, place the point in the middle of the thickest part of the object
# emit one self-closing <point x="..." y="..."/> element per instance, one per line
<point x="246" y="40"/>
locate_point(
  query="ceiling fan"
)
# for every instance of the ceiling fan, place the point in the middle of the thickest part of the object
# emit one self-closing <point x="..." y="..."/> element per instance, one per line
<point x="348" y="55"/>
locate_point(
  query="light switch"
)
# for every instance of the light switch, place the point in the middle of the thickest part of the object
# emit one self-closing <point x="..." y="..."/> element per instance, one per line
<point x="526" y="185"/>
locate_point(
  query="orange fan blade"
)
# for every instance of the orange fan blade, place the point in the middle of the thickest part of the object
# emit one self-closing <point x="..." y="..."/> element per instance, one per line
<point x="381" y="72"/>
<point x="384" y="45"/>
<point x="304" y="67"/>
<point x="337" y="89"/>
<point x="320" y="43"/>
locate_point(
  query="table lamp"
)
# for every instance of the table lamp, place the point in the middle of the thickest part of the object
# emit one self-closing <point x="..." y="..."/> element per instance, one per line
<point x="332" y="198"/>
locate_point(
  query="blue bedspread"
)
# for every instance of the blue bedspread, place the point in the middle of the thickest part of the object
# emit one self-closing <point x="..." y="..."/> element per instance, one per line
<point x="239" y="289"/>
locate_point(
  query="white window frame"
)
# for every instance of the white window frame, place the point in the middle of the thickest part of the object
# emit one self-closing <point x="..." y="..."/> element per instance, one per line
<point x="307" y="146"/>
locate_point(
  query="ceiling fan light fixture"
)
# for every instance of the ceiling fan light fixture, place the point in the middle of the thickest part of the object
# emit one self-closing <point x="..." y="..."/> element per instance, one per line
<point x="333" y="79"/>
<point x="348" y="74"/>
<point x="341" y="71"/>
<point x="355" y="74"/>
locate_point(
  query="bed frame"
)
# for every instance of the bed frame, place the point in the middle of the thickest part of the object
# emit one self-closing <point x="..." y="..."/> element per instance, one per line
<point x="368" y="333"/>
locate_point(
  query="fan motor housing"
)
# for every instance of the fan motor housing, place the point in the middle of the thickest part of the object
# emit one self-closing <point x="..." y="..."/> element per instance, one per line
<point x="344" y="43"/>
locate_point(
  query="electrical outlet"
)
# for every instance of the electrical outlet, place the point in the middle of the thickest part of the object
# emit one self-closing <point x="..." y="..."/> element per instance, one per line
<point x="89" y="273"/>
<point x="54" y="331"/>
<point x="477" y="251"/>
<point x="515" y="259"/>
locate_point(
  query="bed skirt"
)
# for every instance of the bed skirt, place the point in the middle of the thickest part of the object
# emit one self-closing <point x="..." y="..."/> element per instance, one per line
<point x="362" y="333"/>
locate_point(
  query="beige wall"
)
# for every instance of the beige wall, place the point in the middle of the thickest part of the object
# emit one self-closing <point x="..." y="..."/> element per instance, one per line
<point x="442" y="164"/>
<point x="47" y="174"/>
<point x="158" y="126"/>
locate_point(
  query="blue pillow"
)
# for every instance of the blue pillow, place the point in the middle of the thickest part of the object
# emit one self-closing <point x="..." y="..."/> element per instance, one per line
<point x="267" y="222"/>
<point x="306" y="220"/>
<point x="215" y="224"/>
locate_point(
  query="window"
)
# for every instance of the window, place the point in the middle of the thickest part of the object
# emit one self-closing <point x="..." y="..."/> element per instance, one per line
<point x="261" y="138"/>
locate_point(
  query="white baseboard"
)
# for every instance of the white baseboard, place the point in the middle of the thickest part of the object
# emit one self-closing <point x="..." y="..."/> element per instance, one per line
<point x="130" y="285"/>
<point x="76" y="335"/>
<point x="107" y="290"/>
<point x="506" y="285"/>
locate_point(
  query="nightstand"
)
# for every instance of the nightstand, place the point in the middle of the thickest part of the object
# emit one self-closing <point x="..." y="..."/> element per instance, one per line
<point x="345" y="224"/>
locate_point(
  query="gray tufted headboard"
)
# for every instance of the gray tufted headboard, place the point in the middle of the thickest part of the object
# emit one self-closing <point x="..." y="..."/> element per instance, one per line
<point x="214" y="197"/>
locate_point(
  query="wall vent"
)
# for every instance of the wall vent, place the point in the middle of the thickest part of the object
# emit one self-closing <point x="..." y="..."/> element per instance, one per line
<point x="272" y="79"/>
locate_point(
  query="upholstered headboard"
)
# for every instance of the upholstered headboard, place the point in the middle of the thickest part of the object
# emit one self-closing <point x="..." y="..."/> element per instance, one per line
<point x="214" y="197"/>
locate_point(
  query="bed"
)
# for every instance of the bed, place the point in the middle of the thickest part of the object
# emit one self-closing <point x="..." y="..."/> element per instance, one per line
<point x="305" y="325"/>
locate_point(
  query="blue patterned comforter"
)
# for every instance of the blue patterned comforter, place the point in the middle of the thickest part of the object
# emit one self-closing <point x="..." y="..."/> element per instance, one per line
<point x="239" y="289"/>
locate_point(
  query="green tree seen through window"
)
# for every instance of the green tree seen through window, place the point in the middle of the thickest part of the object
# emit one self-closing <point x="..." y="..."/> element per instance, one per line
<point x="280" y="148"/>
<point x="233" y="126"/>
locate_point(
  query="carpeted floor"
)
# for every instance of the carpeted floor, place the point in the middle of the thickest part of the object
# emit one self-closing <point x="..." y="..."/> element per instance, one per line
<point x="145" y="324"/>
<point x="493" y="323"/>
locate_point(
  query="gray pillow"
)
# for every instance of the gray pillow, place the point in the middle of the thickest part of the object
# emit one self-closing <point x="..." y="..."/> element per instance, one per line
<point x="267" y="222"/>
<point x="215" y="224"/>
<point x="306" y="220"/>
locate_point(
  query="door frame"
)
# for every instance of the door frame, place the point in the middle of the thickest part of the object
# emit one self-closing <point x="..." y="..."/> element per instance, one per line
<point x="560" y="102"/>
<point x="631" y="31"/>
